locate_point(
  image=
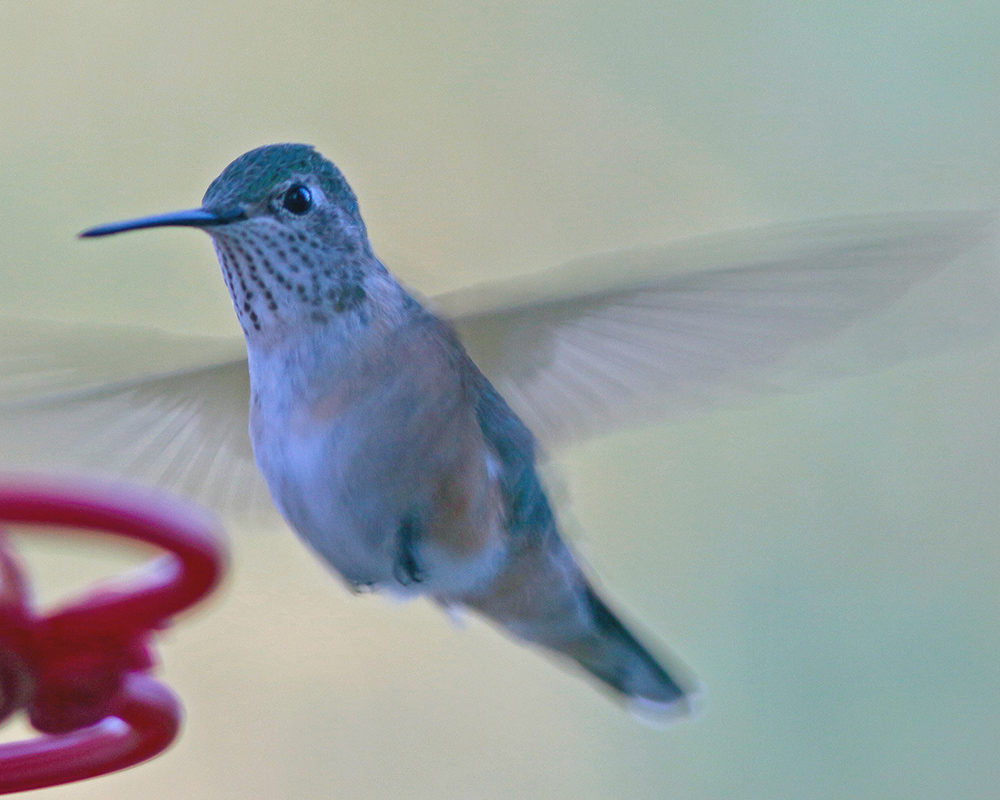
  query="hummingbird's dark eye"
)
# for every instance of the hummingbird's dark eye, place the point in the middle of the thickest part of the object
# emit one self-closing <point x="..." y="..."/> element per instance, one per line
<point x="298" y="199"/>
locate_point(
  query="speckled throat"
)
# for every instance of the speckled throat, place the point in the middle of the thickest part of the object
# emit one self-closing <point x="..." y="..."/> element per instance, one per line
<point x="274" y="272"/>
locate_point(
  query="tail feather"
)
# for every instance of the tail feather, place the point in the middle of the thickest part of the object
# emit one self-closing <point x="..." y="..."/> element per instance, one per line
<point x="609" y="651"/>
<point x="542" y="597"/>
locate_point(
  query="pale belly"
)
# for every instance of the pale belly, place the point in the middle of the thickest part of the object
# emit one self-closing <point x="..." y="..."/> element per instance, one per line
<point x="346" y="483"/>
<point x="307" y="474"/>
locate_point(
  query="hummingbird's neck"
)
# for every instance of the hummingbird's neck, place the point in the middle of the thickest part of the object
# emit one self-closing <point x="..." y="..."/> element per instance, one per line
<point x="284" y="285"/>
<point x="289" y="363"/>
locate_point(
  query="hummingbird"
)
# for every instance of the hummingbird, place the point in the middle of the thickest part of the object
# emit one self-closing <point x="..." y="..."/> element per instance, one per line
<point x="403" y="466"/>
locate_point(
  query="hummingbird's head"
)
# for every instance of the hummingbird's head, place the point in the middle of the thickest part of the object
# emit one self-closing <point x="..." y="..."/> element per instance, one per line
<point x="288" y="233"/>
<point x="294" y="187"/>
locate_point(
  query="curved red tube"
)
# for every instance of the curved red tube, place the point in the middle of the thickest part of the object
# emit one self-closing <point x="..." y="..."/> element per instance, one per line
<point x="80" y="672"/>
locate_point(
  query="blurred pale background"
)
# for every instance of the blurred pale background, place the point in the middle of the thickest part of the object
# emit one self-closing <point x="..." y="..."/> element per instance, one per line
<point x="826" y="562"/>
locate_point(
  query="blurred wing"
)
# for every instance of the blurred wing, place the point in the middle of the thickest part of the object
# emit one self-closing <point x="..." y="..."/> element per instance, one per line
<point x="167" y="410"/>
<point x="628" y="336"/>
<point x="600" y="342"/>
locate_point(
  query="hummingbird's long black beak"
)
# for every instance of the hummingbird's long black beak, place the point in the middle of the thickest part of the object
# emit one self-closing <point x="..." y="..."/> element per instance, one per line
<point x="194" y="218"/>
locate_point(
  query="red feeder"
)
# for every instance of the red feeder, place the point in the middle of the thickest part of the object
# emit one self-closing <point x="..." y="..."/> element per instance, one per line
<point x="81" y="672"/>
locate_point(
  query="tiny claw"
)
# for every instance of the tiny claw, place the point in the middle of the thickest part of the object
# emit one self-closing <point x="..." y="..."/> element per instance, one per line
<point x="407" y="569"/>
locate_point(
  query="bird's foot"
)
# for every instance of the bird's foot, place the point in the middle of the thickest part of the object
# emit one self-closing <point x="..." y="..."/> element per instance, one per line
<point x="407" y="569"/>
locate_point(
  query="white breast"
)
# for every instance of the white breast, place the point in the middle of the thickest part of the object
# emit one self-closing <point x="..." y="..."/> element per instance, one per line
<point x="351" y="452"/>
